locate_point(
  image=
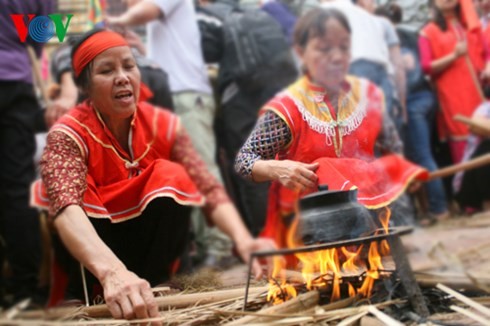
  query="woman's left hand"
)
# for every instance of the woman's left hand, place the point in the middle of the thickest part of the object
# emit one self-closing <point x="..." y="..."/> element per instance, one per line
<point x="247" y="247"/>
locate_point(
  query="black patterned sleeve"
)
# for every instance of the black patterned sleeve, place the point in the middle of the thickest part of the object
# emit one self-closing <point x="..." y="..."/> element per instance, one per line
<point x="270" y="135"/>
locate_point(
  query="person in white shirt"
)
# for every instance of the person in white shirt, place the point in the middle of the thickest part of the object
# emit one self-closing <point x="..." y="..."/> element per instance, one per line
<point x="396" y="69"/>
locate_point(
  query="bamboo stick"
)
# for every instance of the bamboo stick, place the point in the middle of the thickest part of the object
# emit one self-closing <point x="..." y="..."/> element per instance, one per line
<point x="352" y="319"/>
<point x="464" y="166"/>
<point x="383" y="317"/>
<point x="471" y="314"/>
<point x="300" y="303"/>
<point x="165" y="302"/>
<point x="475" y="305"/>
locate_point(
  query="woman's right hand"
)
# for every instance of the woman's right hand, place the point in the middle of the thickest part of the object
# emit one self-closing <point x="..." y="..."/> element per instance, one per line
<point x="128" y="296"/>
<point x="296" y="175"/>
<point x="460" y="49"/>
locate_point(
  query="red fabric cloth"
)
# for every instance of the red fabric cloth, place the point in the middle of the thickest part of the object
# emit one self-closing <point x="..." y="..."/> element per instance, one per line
<point x="120" y="186"/>
<point x="93" y="46"/>
<point x="379" y="181"/>
<point x="145" y="93"/>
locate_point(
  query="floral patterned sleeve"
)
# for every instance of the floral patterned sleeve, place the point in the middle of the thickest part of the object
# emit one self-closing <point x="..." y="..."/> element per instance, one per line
<point x="389" y="140"/>
<point x="63" y="171"/>
<point x="270" y="135"/>
<point x="184" y="153"/>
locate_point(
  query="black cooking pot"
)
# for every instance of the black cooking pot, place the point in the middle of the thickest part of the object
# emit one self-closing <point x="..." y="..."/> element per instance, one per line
<point x="327" y="216"/>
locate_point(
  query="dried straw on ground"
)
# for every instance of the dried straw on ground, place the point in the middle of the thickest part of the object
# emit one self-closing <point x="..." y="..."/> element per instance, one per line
<point x="438" y="255"/>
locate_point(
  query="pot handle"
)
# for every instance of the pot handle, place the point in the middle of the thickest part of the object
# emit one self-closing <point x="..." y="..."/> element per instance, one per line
<point x="323" y="187"/>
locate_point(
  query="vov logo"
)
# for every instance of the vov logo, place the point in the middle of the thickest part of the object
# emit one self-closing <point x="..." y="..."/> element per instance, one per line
<point x="41" y="28"/>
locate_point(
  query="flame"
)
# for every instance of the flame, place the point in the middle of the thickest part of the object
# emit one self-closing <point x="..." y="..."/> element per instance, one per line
<point x="384" y="218"/>
<point x="280" y="293"/>
<point x="330" y="266"/>
<point x="350" y="265"/>
<point x="352" y="291"/>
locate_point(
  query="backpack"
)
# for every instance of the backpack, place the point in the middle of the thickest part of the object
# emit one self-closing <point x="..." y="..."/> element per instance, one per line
<point x="256" y="52"/>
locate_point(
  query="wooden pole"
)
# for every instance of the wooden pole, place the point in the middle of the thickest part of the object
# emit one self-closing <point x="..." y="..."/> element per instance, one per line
<point x="450" y="170"/>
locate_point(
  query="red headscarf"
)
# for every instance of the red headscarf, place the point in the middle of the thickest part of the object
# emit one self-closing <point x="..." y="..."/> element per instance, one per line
<point x="95" y="45"/>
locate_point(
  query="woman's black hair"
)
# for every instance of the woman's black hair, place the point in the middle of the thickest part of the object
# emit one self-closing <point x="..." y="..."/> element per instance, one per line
<point x="312" y="24"/>
<point x="392" y="11"/>
<point x="83" y="80"/>
<point x="438" y="18"/>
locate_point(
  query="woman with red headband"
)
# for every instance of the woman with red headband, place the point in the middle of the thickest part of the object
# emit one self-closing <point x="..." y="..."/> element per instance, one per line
<point x="131" y="169"/>
<point x="454" y="54"/>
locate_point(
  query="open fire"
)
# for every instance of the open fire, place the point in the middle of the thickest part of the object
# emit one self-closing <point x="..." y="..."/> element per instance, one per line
<point x="354" y="268"/>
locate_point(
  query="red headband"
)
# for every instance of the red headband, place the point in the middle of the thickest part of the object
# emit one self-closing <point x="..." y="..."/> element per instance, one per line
<point x="93" y="46"/>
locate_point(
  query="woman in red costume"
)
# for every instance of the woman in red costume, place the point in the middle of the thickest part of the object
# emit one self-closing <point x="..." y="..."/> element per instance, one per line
<point x="132" y="170"/>
<point x="454" y="54"/>
<point x="324" y="129"/>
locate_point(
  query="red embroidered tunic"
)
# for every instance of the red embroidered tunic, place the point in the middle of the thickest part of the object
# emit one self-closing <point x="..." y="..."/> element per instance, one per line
<point x="116" y="184"/>
<point x="342" y="143"/>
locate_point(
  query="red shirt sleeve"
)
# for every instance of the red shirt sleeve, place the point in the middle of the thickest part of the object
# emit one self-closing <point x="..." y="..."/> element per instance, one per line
<point x="184" y="153"/>
<point x="63" y="171"/>
<point x="425" y="55"/>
